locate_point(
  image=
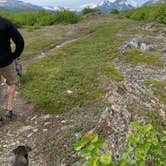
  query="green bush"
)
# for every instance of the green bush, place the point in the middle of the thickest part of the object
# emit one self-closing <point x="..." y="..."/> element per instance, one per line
<point x="144" y="143"/>
<point x="44" y="18"/>
<point x="66" y="17"/>
<point x="151" y="13"/>
<point x="89" y="10"/>
<point x="41" y="18"/>
<point x="114" y="11"/>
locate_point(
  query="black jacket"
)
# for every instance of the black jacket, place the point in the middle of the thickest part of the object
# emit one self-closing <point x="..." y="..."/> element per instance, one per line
<point x="8" y="31"/>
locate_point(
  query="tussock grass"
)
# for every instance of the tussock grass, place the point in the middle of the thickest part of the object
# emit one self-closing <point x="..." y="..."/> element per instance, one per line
<point x="158" y="87"/>
<point x="136" y="56"/>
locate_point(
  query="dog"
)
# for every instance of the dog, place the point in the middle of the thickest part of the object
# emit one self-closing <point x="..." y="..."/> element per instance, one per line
<point x="21" y="156"/>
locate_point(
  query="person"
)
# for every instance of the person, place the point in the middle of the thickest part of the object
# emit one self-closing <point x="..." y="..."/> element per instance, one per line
<point x="9" y="32"/>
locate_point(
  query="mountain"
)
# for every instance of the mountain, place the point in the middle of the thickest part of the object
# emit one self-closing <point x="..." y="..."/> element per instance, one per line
<point x="107" y="5"/>
<point x="152" y="2"/>
<point x="17" y="6"/>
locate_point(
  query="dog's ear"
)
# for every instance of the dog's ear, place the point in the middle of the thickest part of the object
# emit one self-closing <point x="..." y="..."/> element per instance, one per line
<point x="28" y="149"/>
<point x="22" y="150"/>
<point x="15" y="151"/>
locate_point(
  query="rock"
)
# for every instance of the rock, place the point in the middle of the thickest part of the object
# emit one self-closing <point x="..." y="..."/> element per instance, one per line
<point x="126" y="115"/>
<point x="145" y="47"/>
<point x="136" y="43"/>
<point x="35" y="130"/>
<point x="163" y="50"/>
<point x="45" y="117"/>
<point x="47" y="123"/>
<point x="29" y="135"/>
<point x="33" y="118"/>
<point x="78" y="135"/>
<point x="69" y="92"/>
<point x="25" y="128"/>
<point x="45" y="130"/>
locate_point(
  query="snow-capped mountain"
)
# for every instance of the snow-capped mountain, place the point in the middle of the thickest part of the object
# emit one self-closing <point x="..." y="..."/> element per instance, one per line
<point x="152" y="2"/>
<point x="107" y="5"/>
<point x="16" y="5"/>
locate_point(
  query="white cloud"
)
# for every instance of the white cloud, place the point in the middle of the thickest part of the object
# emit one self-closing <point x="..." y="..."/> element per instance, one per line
<point x="90" y="5"/>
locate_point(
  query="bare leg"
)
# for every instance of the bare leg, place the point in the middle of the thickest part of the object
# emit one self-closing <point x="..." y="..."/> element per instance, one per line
<point x="11" y="92"/>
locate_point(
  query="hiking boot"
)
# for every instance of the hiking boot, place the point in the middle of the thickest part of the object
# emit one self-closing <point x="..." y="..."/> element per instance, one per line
<point x="8" y="113"/>
<point x="1" y="122"/>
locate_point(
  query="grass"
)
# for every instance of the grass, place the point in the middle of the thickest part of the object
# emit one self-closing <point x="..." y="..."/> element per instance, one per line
<point x="155" y="119"/>
<point x="76" y="68"/>
<point x="39" y="40"/>
<point x="113" y="73"/>
<point x="159" y="89"/>
<point x="136" y="56"/>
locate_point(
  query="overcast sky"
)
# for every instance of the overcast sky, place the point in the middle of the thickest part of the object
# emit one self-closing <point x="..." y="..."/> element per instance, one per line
<point x="72" y="4"/>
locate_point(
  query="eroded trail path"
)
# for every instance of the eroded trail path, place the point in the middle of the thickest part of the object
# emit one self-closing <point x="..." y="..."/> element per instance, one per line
<point x="30" y="126"/>
<point x="126" y="101"/>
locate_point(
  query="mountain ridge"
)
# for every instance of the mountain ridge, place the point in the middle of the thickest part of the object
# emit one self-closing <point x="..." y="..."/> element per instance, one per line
<point x="18" y="6"/>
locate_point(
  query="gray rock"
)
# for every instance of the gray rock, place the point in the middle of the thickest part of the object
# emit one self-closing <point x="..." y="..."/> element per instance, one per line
<point x="163" y="50"/>
<point x="136" y="43"/>
<point x="25" y="128"/>
<point x="145" y="47"/>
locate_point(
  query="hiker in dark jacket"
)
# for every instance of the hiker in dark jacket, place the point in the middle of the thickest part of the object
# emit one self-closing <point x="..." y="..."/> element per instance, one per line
<point x="7" y="67"/>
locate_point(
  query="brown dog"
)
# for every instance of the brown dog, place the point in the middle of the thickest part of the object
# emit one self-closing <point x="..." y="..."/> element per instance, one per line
<point x="21" y="156"/>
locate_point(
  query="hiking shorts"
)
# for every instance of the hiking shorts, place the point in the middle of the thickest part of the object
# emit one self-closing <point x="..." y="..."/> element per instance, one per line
<point x="9" y="73"/>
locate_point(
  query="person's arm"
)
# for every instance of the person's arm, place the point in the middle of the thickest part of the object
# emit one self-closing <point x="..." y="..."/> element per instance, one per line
<point x="17" y="39"/>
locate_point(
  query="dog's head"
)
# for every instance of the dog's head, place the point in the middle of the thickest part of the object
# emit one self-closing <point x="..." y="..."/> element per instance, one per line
<point x="22" y="150"/>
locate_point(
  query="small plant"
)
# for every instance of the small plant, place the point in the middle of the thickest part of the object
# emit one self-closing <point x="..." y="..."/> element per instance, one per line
<point x="90" y="10"/>
<point x="89" y="147"/>
<point x="144" y="146"/>
<point x="114" y="11"/>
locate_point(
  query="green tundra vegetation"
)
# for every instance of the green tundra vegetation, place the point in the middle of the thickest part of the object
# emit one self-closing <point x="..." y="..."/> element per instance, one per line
<point x="144" y="142"/>
<point x="149" y="13"/>
<point x="89" y="10"/>
<point x="75" y="67"/>
<point x="41" y="18"/>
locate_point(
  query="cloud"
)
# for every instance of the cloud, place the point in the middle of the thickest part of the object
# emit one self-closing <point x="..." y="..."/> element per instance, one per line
<point x="90" y="5"/>
<point x="72" y="4"/>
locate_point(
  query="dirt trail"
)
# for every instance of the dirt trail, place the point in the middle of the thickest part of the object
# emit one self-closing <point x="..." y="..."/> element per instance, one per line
<point x="44" y="53"/>
<point x="30" y="127"/>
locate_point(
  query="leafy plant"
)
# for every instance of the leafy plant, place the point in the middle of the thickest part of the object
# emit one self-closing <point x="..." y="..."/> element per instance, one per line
<point x="146" y="145"/>
<point x="143" y="146"/>
<point x="90" y="10"/>
<point x="89" y="148"/>
<point x="114" y="11"/>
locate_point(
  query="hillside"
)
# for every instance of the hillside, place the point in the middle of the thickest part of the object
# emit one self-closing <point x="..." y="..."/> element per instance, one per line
<point x="102" y="73"/>
<point x="17" y="6"/>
